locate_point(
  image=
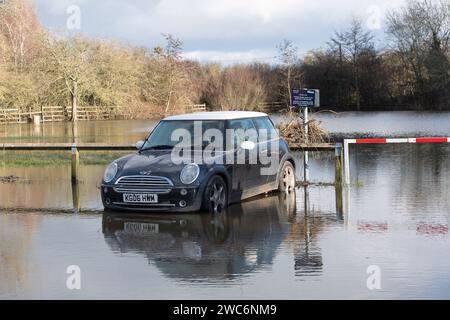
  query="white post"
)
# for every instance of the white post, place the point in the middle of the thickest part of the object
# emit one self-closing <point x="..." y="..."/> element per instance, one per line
<point x="306" y="154"/>
<point x="306" y="124"/>
<point x="346" y="162"/>
<point x="347" y="211"/>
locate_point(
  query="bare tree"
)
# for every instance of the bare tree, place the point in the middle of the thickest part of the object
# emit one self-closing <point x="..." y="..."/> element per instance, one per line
<point x="242" y="89"/>
<point x="351" y="44"/>
<point x="68" y="61"/>
<point x="165" y="75"/>
<point x="420" y="34"/>
<point x="289" y="59"/>
<point x="18" y="24"/>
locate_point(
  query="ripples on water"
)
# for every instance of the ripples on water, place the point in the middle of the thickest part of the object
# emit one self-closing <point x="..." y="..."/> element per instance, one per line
<point x="396" y="217"/>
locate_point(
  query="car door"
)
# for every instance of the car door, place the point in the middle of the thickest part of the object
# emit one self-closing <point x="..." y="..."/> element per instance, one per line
<point x="245" y="171"/>
<point x="268" y="149"/>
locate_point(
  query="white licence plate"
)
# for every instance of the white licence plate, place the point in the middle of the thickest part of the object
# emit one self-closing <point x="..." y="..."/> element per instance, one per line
<point x="136" y="227"/>
<point x="140" y="198"/>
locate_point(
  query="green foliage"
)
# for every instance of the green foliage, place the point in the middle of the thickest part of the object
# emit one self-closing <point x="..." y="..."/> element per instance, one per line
<point x="17" y="91"/>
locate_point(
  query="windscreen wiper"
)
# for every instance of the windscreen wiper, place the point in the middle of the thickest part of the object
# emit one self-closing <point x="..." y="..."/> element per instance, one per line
<point x="161" y="147"/>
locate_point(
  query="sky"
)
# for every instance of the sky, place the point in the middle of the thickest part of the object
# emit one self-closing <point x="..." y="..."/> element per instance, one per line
<point x="225" y="31"/>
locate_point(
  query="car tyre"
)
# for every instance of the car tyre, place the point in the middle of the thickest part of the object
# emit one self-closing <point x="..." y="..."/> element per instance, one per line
<point x="287" y="181"/>
<point x="215" y="197"/>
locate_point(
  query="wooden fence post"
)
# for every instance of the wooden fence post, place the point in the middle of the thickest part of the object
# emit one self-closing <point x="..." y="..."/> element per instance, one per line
<point x="76" y="197"/>
<point x="338" y="179"/>
<point x="75" y="163"/>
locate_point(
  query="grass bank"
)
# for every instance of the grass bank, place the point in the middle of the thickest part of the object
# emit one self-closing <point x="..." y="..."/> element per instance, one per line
<point x="21" y="159"/>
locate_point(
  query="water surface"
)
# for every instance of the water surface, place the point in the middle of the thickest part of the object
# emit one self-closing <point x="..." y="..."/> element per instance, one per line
<point x="396" y="217"/>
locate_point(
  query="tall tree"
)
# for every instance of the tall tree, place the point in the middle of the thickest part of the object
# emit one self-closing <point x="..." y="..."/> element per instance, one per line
<point x="351" y="44"/>
<point x="289" y="58"/>
<point x="165" y="76"/>
<point x="420" y="34"/>
<point x="68" y="61"/>
<point x="19" y="26"/>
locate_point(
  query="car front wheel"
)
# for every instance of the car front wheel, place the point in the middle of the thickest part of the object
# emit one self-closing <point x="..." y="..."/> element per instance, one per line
<point x="215" y="198"/>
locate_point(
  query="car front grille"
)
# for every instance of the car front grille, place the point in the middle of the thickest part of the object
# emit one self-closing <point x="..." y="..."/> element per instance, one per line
<point x="143" y="184"/>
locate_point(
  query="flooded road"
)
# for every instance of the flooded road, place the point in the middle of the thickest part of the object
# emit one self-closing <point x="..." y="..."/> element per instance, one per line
<point x="396" y="218"/>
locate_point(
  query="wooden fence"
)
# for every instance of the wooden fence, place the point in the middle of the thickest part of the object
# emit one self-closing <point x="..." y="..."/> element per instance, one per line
<point x="273" y="107"/>
<point x="9" y="116"/>
<point x="15" y="116"/>
<point x="196" y="108"/>
<point x="75" y="148"/>
<point x="58" y="114"/>
<point x="75" y="171"/>
<point x="85" y="113"/>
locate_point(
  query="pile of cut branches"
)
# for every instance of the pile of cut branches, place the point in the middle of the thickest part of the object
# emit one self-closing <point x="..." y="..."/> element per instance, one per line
<point x="8" y="179"/>
<point x="292" y="130"/>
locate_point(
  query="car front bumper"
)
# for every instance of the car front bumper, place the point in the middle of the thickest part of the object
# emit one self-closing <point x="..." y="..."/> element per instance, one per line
<point x="173" y="201"/>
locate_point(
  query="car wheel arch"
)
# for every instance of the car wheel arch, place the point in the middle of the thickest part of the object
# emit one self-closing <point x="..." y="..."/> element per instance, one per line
<point x="208" y="181"/>
<point x="286" y="158"/>
<point x="221" y="173"/>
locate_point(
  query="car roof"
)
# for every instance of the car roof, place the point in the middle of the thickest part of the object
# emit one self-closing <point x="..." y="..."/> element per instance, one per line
<point x="217" y="115"/>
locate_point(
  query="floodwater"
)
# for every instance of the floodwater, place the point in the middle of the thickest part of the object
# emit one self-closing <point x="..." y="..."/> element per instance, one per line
<point x="298" y="246"/>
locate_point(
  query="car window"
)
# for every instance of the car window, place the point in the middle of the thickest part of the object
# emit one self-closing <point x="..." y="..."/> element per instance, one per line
<point x="243" y="130"/>
<point x="162" y="135"/>
<point x="266" y="125"/>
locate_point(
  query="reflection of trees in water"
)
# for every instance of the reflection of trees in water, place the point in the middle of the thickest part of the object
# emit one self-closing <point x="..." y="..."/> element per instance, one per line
<point x="116" y="131"/>
<point x="418" y="173"/>
<point x="35" y="189"/>
<point x="425" y="184"/>
<point x="50" y="188"/>
<point x="16" y="236"/>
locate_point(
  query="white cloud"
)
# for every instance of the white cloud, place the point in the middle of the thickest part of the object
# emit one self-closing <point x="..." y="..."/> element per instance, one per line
<point x="58" y="7"/>
<point x="231" y="57"/>
<point x="214" y="29"/>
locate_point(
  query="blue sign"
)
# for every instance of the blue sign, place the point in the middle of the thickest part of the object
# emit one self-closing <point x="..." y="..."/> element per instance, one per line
<point x="305" y="98"/>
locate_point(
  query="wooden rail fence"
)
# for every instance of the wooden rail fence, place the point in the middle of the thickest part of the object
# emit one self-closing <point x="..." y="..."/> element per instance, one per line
<point x="196" y="108"/>
<point x="15" y="116"/>
<point x="75" y="148"/>
<point x="59" y="113"/>
<point x="273" y="107"/>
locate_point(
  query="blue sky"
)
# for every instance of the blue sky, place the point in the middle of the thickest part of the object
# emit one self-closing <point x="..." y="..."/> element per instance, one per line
<point x="227" y="31"/>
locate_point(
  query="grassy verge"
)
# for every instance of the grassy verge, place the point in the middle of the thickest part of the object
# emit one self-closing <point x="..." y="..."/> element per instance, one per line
<point x="45" y="158"/>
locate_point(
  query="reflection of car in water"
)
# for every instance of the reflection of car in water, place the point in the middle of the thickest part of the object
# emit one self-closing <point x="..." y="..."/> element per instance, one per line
<point x="205" y="246"/>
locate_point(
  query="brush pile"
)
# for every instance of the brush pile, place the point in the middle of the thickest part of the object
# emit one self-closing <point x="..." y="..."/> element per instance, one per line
<point x="292" y="130"/>
<point x="9" y="179"/>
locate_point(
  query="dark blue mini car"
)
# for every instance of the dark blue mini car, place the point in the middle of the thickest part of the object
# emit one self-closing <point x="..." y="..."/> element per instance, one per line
<point x="201" y="161"/>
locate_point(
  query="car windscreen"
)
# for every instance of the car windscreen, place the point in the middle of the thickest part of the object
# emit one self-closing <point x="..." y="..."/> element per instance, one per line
<point x="167" y="134"/>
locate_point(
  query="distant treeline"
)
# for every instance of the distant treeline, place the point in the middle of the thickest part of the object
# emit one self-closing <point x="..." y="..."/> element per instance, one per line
<point x="411" y="71"/>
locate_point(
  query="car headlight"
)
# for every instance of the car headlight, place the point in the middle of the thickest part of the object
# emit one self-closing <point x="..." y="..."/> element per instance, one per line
<point x="110" y="172"/>
<point x="190" y="173"/>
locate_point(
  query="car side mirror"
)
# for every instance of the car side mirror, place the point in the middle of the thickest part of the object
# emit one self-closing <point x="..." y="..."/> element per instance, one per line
<point x="140" y="144"/>
<point x="248" y="145"/>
